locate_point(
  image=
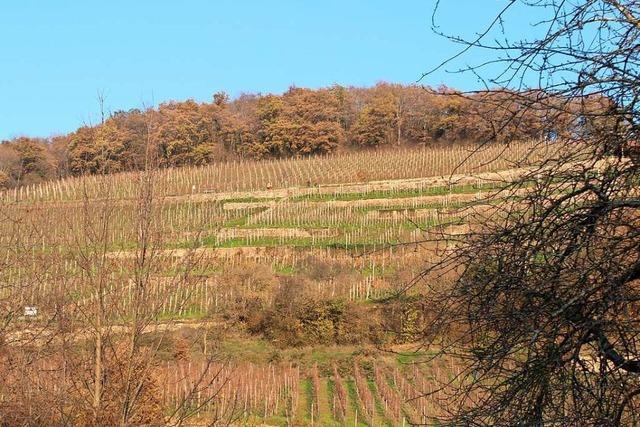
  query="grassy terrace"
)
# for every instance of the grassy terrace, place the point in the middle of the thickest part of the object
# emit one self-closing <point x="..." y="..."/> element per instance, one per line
<point x="396" y="194"/>
<point x="249" y="200"/>
<point x="347" y="225"/>
<point x="299" y="242"/>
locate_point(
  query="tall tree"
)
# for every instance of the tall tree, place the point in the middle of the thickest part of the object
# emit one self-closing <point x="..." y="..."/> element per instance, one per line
<point x="10" y="167"/>
<point x="184" y="134"/>
<point x="377" y="122"/>
<point x="36" y="163"/>
<point x="300" y="122"/>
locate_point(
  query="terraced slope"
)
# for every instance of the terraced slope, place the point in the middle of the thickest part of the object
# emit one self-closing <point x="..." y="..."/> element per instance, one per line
<point x="228" y="243"/>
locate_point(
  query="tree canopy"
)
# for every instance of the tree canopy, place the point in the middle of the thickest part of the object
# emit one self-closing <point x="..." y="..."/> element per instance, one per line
<point x="297" y="123"/>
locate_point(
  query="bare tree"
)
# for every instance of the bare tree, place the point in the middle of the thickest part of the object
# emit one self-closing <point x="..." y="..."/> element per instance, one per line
<point x="544" y="313"/>
<point x="90" y="353"/>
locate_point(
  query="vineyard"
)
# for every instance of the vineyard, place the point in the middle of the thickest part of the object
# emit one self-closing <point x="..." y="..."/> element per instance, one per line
<point x="336" y="390"/>
<point x="240" y="177"/>
<point x="210" y="215"/>
<point x="233" y="251"/>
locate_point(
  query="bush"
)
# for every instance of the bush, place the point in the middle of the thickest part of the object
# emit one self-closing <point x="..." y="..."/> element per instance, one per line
<point x="298" y="319"/>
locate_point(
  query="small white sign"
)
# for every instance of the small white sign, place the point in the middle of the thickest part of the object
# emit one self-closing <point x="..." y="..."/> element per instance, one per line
<point x="31" y="311"/>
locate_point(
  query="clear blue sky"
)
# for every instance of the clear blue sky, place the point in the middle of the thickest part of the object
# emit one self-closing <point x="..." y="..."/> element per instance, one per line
<point x="56" y="55"/>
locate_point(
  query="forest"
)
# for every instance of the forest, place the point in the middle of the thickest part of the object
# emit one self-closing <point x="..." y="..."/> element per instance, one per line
<point x="300" y="122"/>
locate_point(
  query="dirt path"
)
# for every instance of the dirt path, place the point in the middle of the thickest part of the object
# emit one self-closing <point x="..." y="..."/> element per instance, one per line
<point x="43" y="334"/>
<point x="284" y="250"/>
<point x="219" y="253"/>
<point x="232" y="233"/>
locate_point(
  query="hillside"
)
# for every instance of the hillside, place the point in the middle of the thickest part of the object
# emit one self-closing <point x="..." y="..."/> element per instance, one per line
<point x="264" y="290"/>
<point x="187" y="238"/>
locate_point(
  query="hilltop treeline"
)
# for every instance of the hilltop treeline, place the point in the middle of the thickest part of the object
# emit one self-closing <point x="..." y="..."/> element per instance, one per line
<point x="298" y="122"/>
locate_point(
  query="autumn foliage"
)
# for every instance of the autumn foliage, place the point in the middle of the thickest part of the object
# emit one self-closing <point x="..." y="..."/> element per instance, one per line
<point x="297" y="123"/>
